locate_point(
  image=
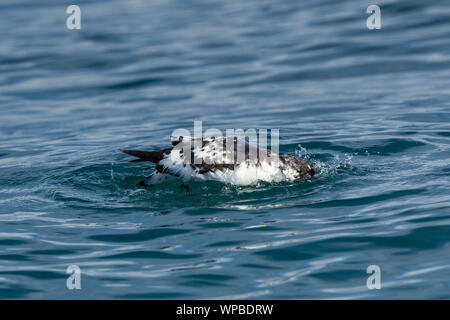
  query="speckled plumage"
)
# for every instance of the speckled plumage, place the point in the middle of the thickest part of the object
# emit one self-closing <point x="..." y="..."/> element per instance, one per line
<point x="227" y="160"/>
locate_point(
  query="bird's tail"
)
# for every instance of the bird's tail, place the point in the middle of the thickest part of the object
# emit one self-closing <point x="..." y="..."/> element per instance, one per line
<point x="152" y="156"/>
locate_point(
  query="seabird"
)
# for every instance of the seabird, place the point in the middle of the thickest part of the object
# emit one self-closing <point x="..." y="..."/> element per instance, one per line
<point x="223" y="159"/>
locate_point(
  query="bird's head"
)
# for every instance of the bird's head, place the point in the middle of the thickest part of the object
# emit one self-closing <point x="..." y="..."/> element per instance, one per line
<point x="304" y="169"/>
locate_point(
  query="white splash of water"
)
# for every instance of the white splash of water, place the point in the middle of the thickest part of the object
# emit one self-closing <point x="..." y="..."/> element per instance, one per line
<point x="326" y="168"/>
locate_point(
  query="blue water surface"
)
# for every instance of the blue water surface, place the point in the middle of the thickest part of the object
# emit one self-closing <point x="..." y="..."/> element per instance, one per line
<point x="370" y="108"/>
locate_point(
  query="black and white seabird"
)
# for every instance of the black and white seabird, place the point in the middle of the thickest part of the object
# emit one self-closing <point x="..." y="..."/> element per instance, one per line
<point x="215" y="159"/>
